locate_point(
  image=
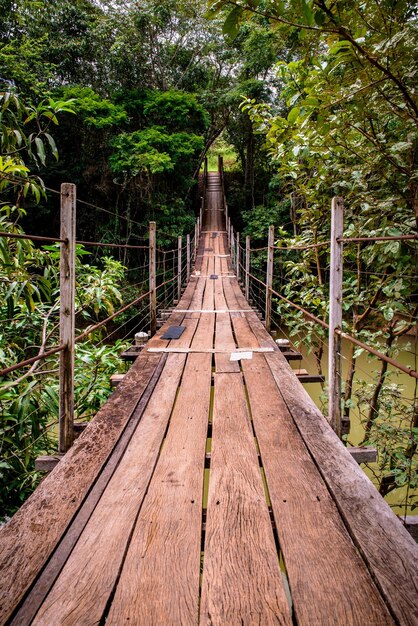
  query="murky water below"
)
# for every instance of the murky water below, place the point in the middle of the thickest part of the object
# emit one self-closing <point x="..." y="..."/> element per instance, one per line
<point x="367" y="369"/>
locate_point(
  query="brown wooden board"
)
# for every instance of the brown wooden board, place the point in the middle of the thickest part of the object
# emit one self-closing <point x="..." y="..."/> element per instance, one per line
<point x="81" y="592"/>
<point x="224" y="339"/>
<point x="389" y="551"/>
<point x="29" y="538"/>
<point x="159" y="582"/>
<point x="242" y="582"/>
<point x="318" y="553"/>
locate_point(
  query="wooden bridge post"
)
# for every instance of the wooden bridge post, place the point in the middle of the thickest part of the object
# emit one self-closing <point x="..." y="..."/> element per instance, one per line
<point x="188" y="256"/>
<point x="247" y="267"/>
<point x="152" y="277"/>
<point x="179" y="259"/>
<point x="67" y="317"/>
<point x="201" y="214"/>
<point x="196" y="239"/>
<point x="335" y="315"/>
<point x="232" y="246"/>
<point x="269" y="277"/>
<point x="237" y="259"/>
<point x="221" y="165"/>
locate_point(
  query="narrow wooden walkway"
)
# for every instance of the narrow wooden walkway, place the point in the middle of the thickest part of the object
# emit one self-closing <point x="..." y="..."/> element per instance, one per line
<point x="208" y="491"/>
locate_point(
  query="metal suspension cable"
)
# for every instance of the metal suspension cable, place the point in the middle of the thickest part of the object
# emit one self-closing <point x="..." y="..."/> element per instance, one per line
<point x="32" y="237"/>
<point x="307" y="247"/>
<point x="383" y="238"/>
<point x="34" y="359"/>
<point x="99" y="244"/>
<point x="357" y="342"/>
<point x="111" y="245"/>
<point x="88" y="331"/>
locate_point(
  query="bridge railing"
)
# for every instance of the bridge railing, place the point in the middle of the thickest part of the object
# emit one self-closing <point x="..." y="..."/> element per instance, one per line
<point x="158" y="277"/>
<point x="247" y="260"/>
<point x="287" y="274"/>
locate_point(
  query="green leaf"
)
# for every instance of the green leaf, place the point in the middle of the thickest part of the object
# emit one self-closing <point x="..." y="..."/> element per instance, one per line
<point x="52" y="145"/>
<point x="319" y="17"/>
<point x="40" y="149"/>
<point x="231" y="24"/>
<point x="307" y="12"/>
<point x="293" y="115"/>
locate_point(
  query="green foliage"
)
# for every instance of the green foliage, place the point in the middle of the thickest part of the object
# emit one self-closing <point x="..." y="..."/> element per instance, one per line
<point x="29" y="290"/>
<point x="152" y="150"/>
<point x="95" y="111"/>
<point x="176" y="110"/>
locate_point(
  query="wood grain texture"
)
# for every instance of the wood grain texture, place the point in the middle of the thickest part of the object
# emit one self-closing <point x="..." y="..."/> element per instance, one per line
<point x="80" y="594"/>
<point x="318" y="552"/>
<point x="224" y="339"/>
<point x="389" y="551"/>
<point x="24" y="544"/>
<point x="242" y="582"/>
<point x="159" y="583"/>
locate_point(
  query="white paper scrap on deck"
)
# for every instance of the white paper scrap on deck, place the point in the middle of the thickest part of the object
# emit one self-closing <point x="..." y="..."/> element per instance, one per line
<point x="240" y="356"/>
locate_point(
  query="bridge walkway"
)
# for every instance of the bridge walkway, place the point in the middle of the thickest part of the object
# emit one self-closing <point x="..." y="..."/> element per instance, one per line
<point x="208" y="490"/>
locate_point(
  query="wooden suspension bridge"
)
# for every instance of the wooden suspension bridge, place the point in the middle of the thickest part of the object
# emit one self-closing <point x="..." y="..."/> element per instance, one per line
<point x="208" y="490"/>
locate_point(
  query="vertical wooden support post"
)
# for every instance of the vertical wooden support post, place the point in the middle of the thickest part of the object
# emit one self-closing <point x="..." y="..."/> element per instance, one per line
<point x="232" y="246"/>
<point x="152" y="277"/>
<point x="201" y="214"/>
<point x="237" y="256"/>
<point x="188" y="257"/>
<point x="247" y="266"/>
<point x="269" y="277"/>
<point x="335" y="315"/>
<point x="196" y="239"/>
<point x="179" y="259"/>
<point x="199" y="226"/>
<point x="220" y="165"/>
<point x="67" y="317"/>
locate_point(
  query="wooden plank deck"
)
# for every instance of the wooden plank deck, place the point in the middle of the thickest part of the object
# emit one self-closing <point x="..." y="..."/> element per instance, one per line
<point x="120" y="532"/>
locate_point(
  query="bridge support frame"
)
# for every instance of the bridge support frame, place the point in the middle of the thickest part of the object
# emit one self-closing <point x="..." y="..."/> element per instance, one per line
<point x="269" y="277"/>
<point x="67" y="317"/>
<point x="247" y="267"/>
<point x="152" y="278"/>
<point x="335" y="315"/>
<point x="179" y="260"/>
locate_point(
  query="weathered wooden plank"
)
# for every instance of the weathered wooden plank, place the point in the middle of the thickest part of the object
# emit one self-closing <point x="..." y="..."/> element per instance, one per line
<point x="24" y="545"/>
<point x="92" y="568"/>
<point x="318" y="552"/>
<point x="224" y="339"/>
<point x="389" y="551"/>
<point x="159" y="583"/>
<point x="242" y="582"/>
<point x="367" y="454"/>
<point x="411" y="525"/>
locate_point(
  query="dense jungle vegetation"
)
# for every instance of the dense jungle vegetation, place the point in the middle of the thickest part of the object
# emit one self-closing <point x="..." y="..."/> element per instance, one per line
<point x="306" y="99"/>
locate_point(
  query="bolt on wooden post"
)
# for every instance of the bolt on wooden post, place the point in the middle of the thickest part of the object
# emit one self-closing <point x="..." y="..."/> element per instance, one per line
<point x="335" y="315"/>
<point x="152" y="277"/>
<point x="247" y="266"/>
<point x="179" y="260"/>
<point x="67" y="317"/>
<point x="269" y="277"/>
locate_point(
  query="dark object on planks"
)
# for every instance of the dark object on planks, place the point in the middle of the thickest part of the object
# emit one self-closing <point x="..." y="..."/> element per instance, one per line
<point x="174" y="332"/>
<point x="213" y="276"/>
